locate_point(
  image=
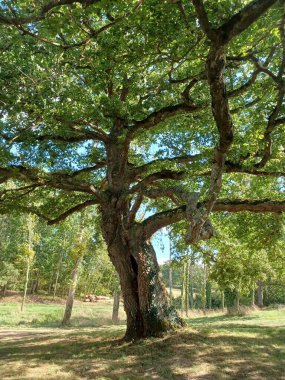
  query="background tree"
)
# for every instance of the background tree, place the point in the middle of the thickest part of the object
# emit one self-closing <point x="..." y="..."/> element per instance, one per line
<point x="27" y="252"/>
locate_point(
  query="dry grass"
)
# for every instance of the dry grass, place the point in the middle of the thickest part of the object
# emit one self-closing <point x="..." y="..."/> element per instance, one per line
<point x="211" y="347"/>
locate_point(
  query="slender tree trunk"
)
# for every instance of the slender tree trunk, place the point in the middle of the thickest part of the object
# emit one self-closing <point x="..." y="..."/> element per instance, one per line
<point x="35" y="284"/>
<point x="182" y="292"/>
<point x="97" y="283"/>
<point x="71" y="293"/>
<point x="50" y="285"/>
<point x="59" y="265"/>
<point x="260" y="293"/>
<point x="253" y="296"/>
<point x="170" y="273"/>
<point x="223" y="299"/>
<point x="4" y="290"/>
<point x="116" y="306"/>
<point x="30" y="256"/>
<point x="238" y="294"/>
<point x="186" y="287"/>
<point x="208" y="294"/>
<point x="55" y="284"/>
<point x="191" y="291"/>
<point x="26" y="284"/>
<point x="58" y="272"/>
<point x="87" y="283"/>
<point x="237" y="299"/>
<point x="203" y="293"/>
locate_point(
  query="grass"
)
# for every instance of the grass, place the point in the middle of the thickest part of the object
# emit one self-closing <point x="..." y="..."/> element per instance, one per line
<point x="211" y="347"/>
<point x="50" y="315"/>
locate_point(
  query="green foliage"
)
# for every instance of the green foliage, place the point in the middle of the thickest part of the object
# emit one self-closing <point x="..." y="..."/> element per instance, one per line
<point x="54" y="250"/>
<point x="8" y="274"/>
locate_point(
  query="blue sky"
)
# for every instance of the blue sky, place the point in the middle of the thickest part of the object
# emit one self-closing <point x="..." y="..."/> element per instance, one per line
<point x="160" y="241"/>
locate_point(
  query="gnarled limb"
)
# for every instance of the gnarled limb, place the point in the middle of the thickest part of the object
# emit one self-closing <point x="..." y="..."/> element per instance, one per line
<point x="165" y="218"/>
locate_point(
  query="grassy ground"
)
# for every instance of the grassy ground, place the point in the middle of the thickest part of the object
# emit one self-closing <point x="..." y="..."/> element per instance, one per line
<point x="50" y="315"/>
<point x="211" y="347"/>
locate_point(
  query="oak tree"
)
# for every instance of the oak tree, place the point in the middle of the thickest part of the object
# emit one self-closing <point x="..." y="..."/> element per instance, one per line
<point x="140" y="107"/>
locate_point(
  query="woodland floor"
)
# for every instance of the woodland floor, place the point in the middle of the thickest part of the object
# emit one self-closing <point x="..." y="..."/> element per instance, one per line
<point x="34" y="346"/>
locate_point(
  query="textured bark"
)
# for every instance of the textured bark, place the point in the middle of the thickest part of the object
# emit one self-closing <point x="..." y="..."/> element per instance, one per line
<point x="146" y="302"/>
<point x="154" y="307"/>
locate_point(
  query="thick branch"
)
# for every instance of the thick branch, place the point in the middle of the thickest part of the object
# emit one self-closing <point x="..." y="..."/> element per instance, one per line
<point x="236" y="24"/>
<point x="62" y="216"/>
<point x="168" y="217"/>
<point x="243" y="88"/>
<point x="62" y="181"/>
<point x="203" y="19"/>
<point x="99" y="165"/>
<point x="135" y="171"/>
<point x="72" y="210"/>
<point x="66" y="139"/>
<point x="160" y="116"/>
<point x="164" y="174"/>
<point x="44" y="10"/>
<point x="244" y="18"/>
<point x="272" y="124"/>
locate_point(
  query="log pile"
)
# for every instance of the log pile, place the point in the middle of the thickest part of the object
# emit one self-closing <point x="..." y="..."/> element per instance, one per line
<point x="94" y="298"/>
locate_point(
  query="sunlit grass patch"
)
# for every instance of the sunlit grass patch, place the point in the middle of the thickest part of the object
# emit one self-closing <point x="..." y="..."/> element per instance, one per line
<point x="50" y="315"/>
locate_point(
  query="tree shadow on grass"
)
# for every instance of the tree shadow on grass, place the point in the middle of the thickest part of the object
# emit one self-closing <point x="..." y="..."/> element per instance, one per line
<point x="50" y="321"/>
<point x="188" y="354"/>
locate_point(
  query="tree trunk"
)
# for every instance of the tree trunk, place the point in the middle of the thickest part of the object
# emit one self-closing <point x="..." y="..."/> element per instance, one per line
<point x="185" y="287"/>
<point x="191" y="291"/>
<point x="59" y="266"/>
<point x="71" y="293"/>
<point x="50" y="285"/>
<point x="223" y="299"/>
<point x="237" y="301"/>
<point x="208" y="294"/>
<point x="35" y="285"/>
<point x="26" y="284"/>
<point x="260" y="294"/>
<point x="253" y="296"/>
<point x="4" y="290"/>
<point x="203" y="293"/>
<point x="146" y="302"/>
<point x="170" y="274"/>
<point x="116" y="306"/>
<point x="55" y="284"/>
